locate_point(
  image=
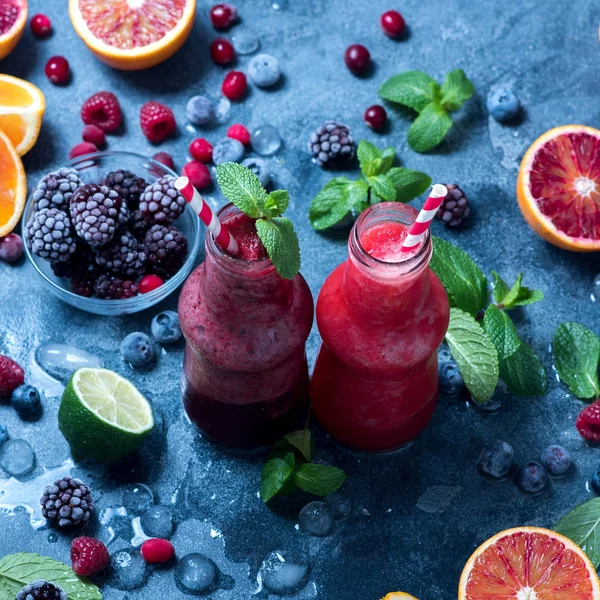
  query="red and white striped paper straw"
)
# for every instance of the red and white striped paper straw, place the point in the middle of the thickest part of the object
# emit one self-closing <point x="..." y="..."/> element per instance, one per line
<point x="221" y="234"/>
<point x="424" y="218"/>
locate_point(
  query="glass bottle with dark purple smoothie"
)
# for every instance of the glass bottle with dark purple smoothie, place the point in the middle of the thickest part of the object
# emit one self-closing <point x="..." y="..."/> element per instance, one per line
<point x="245" y="375"/>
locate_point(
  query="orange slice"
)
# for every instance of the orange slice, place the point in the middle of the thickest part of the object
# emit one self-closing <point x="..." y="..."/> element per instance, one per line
<point x="13" y="186"/>
<point x="13" y="17"/>
<point x="133" y="34"/>
<point x="398" y="596"/>
<point x="529" y="563"/>
<point x="21" y="110"/>
<point x="558" y="187"/>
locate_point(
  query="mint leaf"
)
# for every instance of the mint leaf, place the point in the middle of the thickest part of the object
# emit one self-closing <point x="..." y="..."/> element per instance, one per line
<point x="383" y="187"/>
<point x="465" y="284"/>
<point x="408" y="184"/>
<point x="387" y="160"/>
<point x="523" y="372"/>
<point x="275" y="474"/>
<point x="331" y="204"/>
<point x="281" y="243"/>
<point x="319" y="480"/>
<point x="456" y="89"/>
<point x="518" y="295"/>
<point x="276" y="203"/>
<point x="358" y="196"/>
<point x="582" y="526"/>
<point x="513" y="293"/>
<point x="301" y="440"/>
<point x="527" y="296"/>
<point x="242" y="187"/>
<point x="498" y="325"/>
<point x="576" y="352"/>
<point x="17" y="570"/>
<point x="429" y="128"/>
<point x="414" y="89"/>
<point x="475" y="354"/>
<point x="500" y="287"/>
<point x="369" y="157"/>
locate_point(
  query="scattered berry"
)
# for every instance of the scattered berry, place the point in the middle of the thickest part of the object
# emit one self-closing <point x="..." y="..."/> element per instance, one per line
<point x="81" y="149"/>
<point x="451" y="380"/>
<point x="67" y="503"/>
<point x="596" y="480"/>
<point x="455" y="207"/>
<point x="137" y="349"/>
<point x="496" y="459"/>
<point x="376" y="117"/>
<point x="198" y="174"/>
<point x="83" y="285"/>
<point x="164" y="158"/>
<point x="165" y="327"/>
<point x="357" y="59"/>
<point x="588" y="422"/>
<point x="201" y="150"/>
<point x="11" y="376"/>
<point x="556" y="460"/>
<point x="260" y="168"/>
<point x="41" y="590"/>
<point x="157" y="550"/>
<point x="27" y="402"/>
<point x="109" y="287"/>
<point x="503" y="104"/>
<point x="128" y="185"/>
<point x="40" y="25"/>
<point x="166" y="249"/>
<point x="264" y="70"/>
<point x="157" y="121"/>
<point x="221" y="51"/>
<point x="57" y="70"/>
<point x="102" y="109"/>
<point x="234" y="85"/>
<point x="332" y="144"/>
<point x="11" y="248"/>
<point x="161" y="202"/>
<point x="240" y="133"/>
<point x="199" y="110"/>
<point x="94" y="135"/>
<point x="49" y="235"/>
<point x="3" y="434"/>
<point x="56" y="189"/>
<point x="223" y="16"/>
<point x="228" y="150"/>
<point x="392" y="24"/>
<point x="148" y="283"/>
<point x="531" y="478"/>
<point x="124" y="256"/>
<point x="88" y="556"/>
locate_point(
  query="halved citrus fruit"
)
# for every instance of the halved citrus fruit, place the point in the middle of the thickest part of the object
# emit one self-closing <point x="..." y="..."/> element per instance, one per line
<point x="133" y="34"/>
<point x="13" y="17"/>
<point x="529" y="563"/>
<point x="22" y="107"/>
<point x="398" y="596"/>
<point x="558" y="187"/>
<point x="13" y="186"/>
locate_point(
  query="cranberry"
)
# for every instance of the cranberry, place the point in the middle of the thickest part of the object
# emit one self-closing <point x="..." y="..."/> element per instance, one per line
<point x="392" y="24"/>
<point x="240" y="133"/>
<point x="164" y="158"/>
<point x="375" y="117"/>
<point x="234" y="85"/>
<point x="40" y="25"/>
<point x="221" y="51"/>
<point x="94" y="135"/>
<point x="148" y="283"/>
<point x="201" y="150"/>
<point x="223" y="16"/>
<point x="157" y="550"/>
<point x="198" y="174"/>
<point x="57" y="70"/>
<point x="81" y="149"/>
<point x="11" y="248"/>
<point x="357" y="58"/>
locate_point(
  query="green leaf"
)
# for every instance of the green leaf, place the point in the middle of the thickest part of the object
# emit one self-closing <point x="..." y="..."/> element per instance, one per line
<point x="500" y="287"/>
<point x="407" y="183"/>
<point x="527" y="296"/>
<point x="242" y="187"/>
<point x="17" y="570"/>
<point x="358" y="193"/>
<point x="582" y="526"/>
<point x="518" y="295"/>
<point x="475" y="354"/>
<point x="576" y="352"/>
<point x="499" y="326"/>
<point x="387" y="159"/>
<point x="319" y="480"/>
<point x="414" y="89"/>
<point x="429" y="128"/>
<point x="523" y="372"/>
<point x="301" y="440"/>
<point x="456" y="89"/>
<point x="275" y="474"/>
<point x="465" y="284"/>
<point x="383" y="187"/>
<point x="331" y="204"/>
<point x="276" y="203"/>
<point x="513" y="293"/>
<point x="369" y="157"/>
<point x="281" y="243"/>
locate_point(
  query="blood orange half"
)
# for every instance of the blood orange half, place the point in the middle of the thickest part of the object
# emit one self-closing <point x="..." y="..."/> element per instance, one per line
<point x="13" y="17"/>
<point x="558" y="187"/>
<point x="529" y="563"/>
<point x="133" y="34"/>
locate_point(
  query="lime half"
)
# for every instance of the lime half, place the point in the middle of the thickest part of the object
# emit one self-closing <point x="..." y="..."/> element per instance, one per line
<point x="102" y="415"/>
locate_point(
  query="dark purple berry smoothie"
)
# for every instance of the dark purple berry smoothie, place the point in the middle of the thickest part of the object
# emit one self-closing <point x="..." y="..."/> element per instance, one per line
<point x="245" y="375"/>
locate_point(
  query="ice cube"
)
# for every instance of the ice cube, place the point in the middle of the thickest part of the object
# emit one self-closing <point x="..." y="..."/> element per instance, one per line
<point x="157" y="522"/>
<point x="128" y="570"/>
<point x="137" y="498"/>
<point x="196" y="573"/>
<point x="316" y="519"/>
<point x="61" y="360"/>
<point x="222" y="110"/>
<point x="266" y="140"/>
<point x="245" y="41"/>
<point x="17" y="457"/>
<point x="284" y="572"/>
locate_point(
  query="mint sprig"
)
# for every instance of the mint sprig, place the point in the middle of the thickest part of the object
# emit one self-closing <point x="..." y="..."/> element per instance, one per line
<point x="242" y="187"/>
<point x="582" y="526"/>
<point x="421" y="93"/>
<point x="342" y="197"/>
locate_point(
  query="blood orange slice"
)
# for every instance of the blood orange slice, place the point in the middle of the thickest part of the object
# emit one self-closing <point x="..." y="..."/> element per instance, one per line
<point x="133" y="34"/>
<point x="529" y="563"/>
<point x="13" y="186"/>
<point x="13" y="17"/>
<point x="558" y="187"/>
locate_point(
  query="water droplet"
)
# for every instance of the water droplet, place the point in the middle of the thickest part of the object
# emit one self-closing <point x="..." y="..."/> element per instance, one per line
<point x="222" y="110"/>
<point x="316" y="519"/>
<point x="266" y="140"/>
<point x="196" y="573"/>
<point x="52" y="538"/>
<point x="245" y="41"/>
<point x="157" y="521"/>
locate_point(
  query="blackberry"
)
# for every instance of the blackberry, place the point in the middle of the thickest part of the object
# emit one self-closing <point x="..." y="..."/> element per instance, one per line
<point x="76" y="265"/>
<point x="128" y="185"/>
<point x="56" y="189"/>
<point x="123" y="256"/>
<point x="332" y="144"/>
<point x="108" y="287"/>
<point x="83" y="284"/>
<point x="67" y="503"/>
<point x="166" y="248"/>
<point x="41" y="590"/>
<point x="161" y="202"/>
<point x="455" y="207"/>
<point x="48" y="234"/>
<point x="96" y="212"/>
<point x="137" y="224"/>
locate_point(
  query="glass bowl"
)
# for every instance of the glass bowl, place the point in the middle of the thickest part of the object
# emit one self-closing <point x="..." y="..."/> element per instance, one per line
<point x="93" y="168"/>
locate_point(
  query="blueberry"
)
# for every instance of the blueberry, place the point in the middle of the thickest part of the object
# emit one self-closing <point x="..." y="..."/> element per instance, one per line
<point x="531" y="478"/>
<point x="165" y="327"/>
<point x="451" y="381"/>
<point x="228" y="150"/>
<point x="556" y="459"/>
<point x="264" y="70"/>
<point x="3" y="434"/>
<point x="260" y="168"/>
<point x="137" y="349"/>
<point x="503" y="104"/>
<point x="496" y="459"/>
<point x="596" y="480"/>
<point x="444" y="354"/>
<point x="199" y="110"/>
<point x="27" y="402"/>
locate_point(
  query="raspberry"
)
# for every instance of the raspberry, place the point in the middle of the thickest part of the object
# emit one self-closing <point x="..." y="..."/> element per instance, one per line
<point x="123" y="256"/>
<point x="201" y="150"/>
<point x="157" y="121"/>
<point x="89" y="556"/>
<point x="11" y="375"/>
<point x="161" y="202"/>
<point x="94" y="135"/>
<point x="157" y="550"/>
<point x="102" y="109"/>
<point x="588" y="423"/>
<point x="40" y="25"/>
<point x="198" y="174"/>
<point x="113" y="288"/>
<point x="240" y="133"/>
<point x="81" y="149"/>
<point x="166" y="249"/>
<point x="234" y="85"/>
<point x="148" y="283"/>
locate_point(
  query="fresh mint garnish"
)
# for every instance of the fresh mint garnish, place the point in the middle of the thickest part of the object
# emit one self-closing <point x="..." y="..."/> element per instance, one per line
<point x="517" y="295"/>
<point x="380" y="182"/>
<point x="582" y="526"/>
<point x="523" y="372"/>
<point x="502" y="331"/>
<point x="275" y="474"/>
<point x="422" y="93"/>
<point x="319" y="480"/>
<point x="242" y="187"/>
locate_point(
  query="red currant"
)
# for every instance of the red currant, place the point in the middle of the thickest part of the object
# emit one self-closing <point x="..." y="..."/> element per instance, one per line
<point x="221" y="51"/>
<point x="157" y="550"/>
<point x="392" y="24"/>
<point x="148" y="283"/>
<point x="234" y="85"/>
<point x="57" y="70"/>
<point x="240" y="133"/>
<point x="198" y="174"/>
<point x="40" y="25"/>
<point x="201" y="150"/>
<point x="357" y="58"/>
<point x="223" y="16"/>
<point x="375" y="117"/>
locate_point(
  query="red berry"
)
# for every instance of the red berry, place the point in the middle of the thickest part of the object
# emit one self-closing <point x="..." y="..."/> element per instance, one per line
<point x="94" y="135"/>
<point x="234" y="85"/>
<point x="198" y="174"/>
<point x="40" y="25"/>
<point x="357" y="58"/>
<point x="81" y="149"/>
<point x="240" y="133"/>
<point x="375" y="117"/>
<point x="11" y="248"/>
<point x="157" y="121"/>
<point x="223" y="16"/>
<point x="157" y="550"/>
<point x="221" y="51"/>
<point x="11" y="376"/>
<point x="588" y="423"/>
<point x="201" y="150"/>
<point x="89" y="556"/>
<point x="149" y="283"/>
<point x="57" y="70"/>
<point x="102" y="109"/>
<point x="164" y="158"/>
<point x="392" y="24"/>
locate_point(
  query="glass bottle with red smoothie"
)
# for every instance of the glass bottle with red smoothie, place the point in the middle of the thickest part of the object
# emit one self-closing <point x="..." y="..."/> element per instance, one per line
<point x="245" y="376"/>
<point x="382" y="315"/>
